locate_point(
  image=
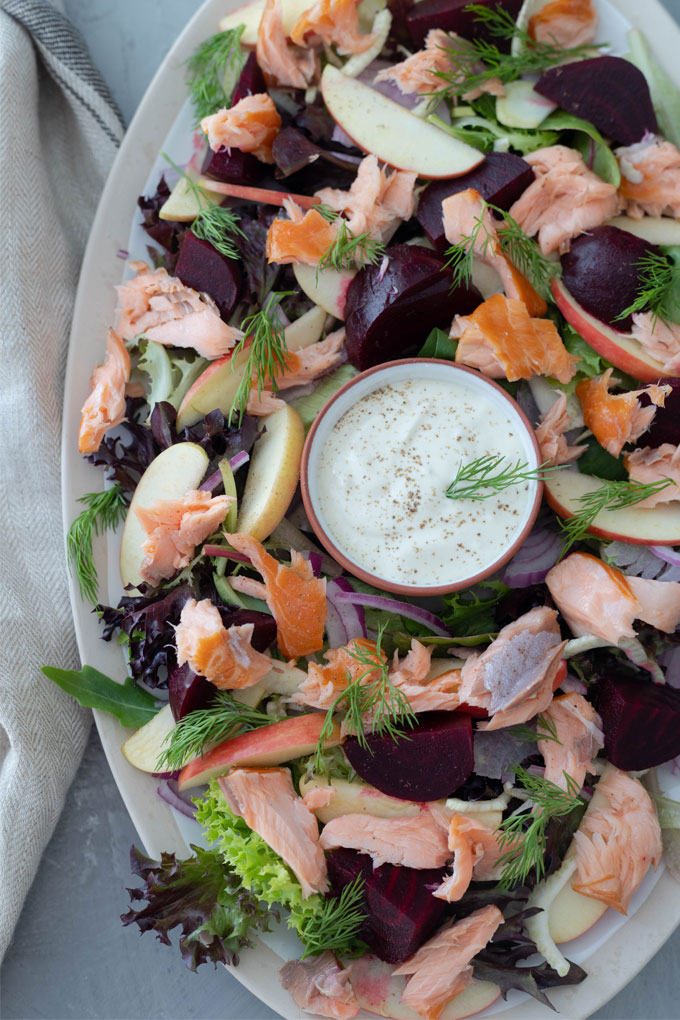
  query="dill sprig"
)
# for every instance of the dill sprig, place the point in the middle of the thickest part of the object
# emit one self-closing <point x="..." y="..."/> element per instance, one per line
<point x="370" y="698"/>
<point x="104" y="510"/>
<point x="545" y="730"/>
<point x="213" y="223"/>
<point x="615" y="495"/>
<point x="326" y="211"/>
<point x="215" y="59"/>
<point x="349" y="250"/>
<point x="336" y="925"/>
<point x="491" y="472"/>
<point x="265" y="341"/>
<point x="522" y="836"/>
<point x="658" y="277"/>
<point x="194" y="731"/>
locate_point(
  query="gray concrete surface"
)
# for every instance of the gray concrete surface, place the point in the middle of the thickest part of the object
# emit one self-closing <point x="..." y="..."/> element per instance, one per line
<point x="70" y="958"/>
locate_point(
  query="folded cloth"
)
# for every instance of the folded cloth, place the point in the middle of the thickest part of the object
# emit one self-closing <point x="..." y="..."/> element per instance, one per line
<point x="59" y="130"/>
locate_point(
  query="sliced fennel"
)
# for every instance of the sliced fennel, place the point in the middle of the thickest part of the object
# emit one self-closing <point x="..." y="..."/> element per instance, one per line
<point x="538" y="926"/>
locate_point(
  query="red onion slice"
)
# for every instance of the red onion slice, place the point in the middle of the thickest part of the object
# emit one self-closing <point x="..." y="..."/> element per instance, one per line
<point x="226" y="554"/>
<point x="409" y="612"/>
<point x="343" y="613"/>
<point x="168" y="791"/>
<point x="238" y="460"/>
<point x="667" y="553"/>
<point x="533" y="561"/>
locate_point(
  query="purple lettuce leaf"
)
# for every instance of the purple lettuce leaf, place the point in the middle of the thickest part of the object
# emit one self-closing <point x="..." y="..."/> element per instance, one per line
<point x="127" y="453"/>
<point x="167" y="233"/>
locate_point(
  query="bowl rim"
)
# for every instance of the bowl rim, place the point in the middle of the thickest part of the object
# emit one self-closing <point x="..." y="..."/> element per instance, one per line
<point x="416" y="591"/>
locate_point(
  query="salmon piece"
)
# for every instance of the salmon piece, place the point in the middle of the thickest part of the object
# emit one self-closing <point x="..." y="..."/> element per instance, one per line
<point x="616" y="845"/>
<point x="321" y="986"/>
<point x="224" y="657"/>
<point x="564" y="23"/>
<point x="440" y="968"/>
<point x="579" y="731"/>
<point x="302" y="366"/>
<point x="284" y="64"/>
<point x="164" y="310"/>
<point x="261" y="404"/>
<point x="649" y="465"/>
<point x="376" y="202"/>
<point x="334" y="22"/>
<point x="105" y="406"/>
<point x="550" y="435"/>
<point x="174" y="527"/>
<point x="325" y="683"/>
<point x="269" y="805"/>
<point x="565" y="200"/>
<point x="296" y="598"/>
<point x="415" y="842"/>
<point x="318" y="797"/>
<point x="444" y="53"/>
<point x="502" y="341"/>
<point x="650" y="178"/>
<point x="617" y="418"/>
<point x="475" y="855"/>
<point x="251" y="125"/>
<point x="661" y="339"/>
<point x="513" y="678"/>
<point x="595" y="598"/>
<point x="462" y="214"/>
<point x="304" y="240"/>
<point x="411" y="678"/>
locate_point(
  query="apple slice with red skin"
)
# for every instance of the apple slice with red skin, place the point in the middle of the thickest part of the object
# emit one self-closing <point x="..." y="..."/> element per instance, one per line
<point x="266" y="196"/>
<point x="621" y="349"/>
<point x="270" y="745"/>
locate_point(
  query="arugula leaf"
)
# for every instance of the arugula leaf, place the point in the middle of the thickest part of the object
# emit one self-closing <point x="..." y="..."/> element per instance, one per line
<point x="471" y="612"/>
<point x="92" y="689"/>
<point x="439" y="345"/>
<point x="596" y="461"/>
<point x="591" y="362"/>
<point x="484" y="132"/>
<point x="603" y="162"/>
<point x="664" y="92"/>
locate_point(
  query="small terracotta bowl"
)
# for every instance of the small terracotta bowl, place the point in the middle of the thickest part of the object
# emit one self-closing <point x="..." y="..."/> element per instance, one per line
<point x="360" y="386"/>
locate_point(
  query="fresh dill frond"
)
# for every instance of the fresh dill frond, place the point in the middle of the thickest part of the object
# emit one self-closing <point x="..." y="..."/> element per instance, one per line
<point x="522" y="836"/>
<point x="194" y="731"/>
<point x="612" y="495"/>
<point x="326" y="211"/>
<point x="545" y="730"/>
<point x="216" y="224"/>
<point x="493" y="473"/>
<point x="336" y="925"/>
<point x="215" y="61"/>
<point x="104" y="511"/>
<point x="658" y="278"/>
<point x="349" y="250"/>
<point x="371" y="698"/>
<point x="265" y="341"/>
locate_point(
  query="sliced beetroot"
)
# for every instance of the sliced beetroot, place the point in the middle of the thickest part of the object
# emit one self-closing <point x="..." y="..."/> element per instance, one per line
<point x="500" y="179"/>
<point x="233" y="167"/>
<point x="641" y="721"/>
<point x="601" y="272"/>
<point x="188" y="691"/>
<point x="264" y="625"/>
<point x="454" y="16"/>
<point x="205" y="269"/>
<point x="293" y="151"/>
<point x="251" y="81"/>
<point x="390" y="311"/>
<point x="402" y="912"/>
<point x="432" y="761"/>
<point x="608" y="91"/>
<point x="665" y="427"/>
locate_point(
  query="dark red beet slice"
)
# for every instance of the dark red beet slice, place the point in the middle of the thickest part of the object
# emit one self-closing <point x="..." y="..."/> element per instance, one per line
<point x="264" y="625"/>
<point x="601" y="272"/>
<point x="389" y="314"/>
<point x="665" y="427"/>
<point x="452" y="16"/>
<point x="233" y="167"/>
<point x="641" y="721"/>
<point x="433" y="760"/>
<point x="608" y="91"/>
<point x="205" y="269"/>
<point x="402" y="912"/>
<point x="188" y="691"/>
<point x="500" y="179"/>
<point x="251" y="81"/>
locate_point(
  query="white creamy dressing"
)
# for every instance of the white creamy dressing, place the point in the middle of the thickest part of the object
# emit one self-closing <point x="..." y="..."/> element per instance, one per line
<point x="383" y="470"/>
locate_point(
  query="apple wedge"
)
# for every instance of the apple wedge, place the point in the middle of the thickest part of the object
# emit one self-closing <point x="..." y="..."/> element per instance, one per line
<point x="327" y="287"/>
<point x="182" y="205"/>
<point x="396" y="136"/>
<point x="270" y="745"/>
<point x="273" y="475"/>
<point x="144" y="747"/>
<point x="172" y="474"/>
<point x="659" y="525"/>
<point x="621" y="349"/>
<point x="655" y="229"/>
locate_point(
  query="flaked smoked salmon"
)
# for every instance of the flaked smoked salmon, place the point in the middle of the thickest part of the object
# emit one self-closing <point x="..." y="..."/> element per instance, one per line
<point x="303" y="239"/>
<point x="296" y="598"/>
<point x="513" y="678"/>
<point x="319" y="797"/>
<point x="325" y="683"/>
<point x="174" y="527"/>
<point x="267" y="802"/>
<point x="376" y="202"/>
<point x="440" y="969"/>
<point x="564" y="200"/>
<point x="224" y="657"/>
<point x="578" y="729"/>
<point x="444" y="53"/>
<point x="251" y="126"/>
<point x="501" y="340"/>
<point x="105" y="406"/>
<point x="302" y="366"/>
<point x="649" y="465"/>
<point x="564" y="23"/>
<point x="650" y="178"/>
<point x="334" y="22"/>
<point x="411" y="676"/>
<point x="661" y="339"/>
<point x="164" y="310"/>
<point x="411" y="842"/>
<point x="320" y="985"/>
<point x="616" y="845"/>
<point x="284" y="64"/>
<point x="595" y="598"/>
<point x="475" y="855"/>
<point x="550" y="435"/>
<point x="617" y="418"/>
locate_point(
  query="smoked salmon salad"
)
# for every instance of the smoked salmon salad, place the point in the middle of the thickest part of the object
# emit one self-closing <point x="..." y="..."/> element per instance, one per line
<point x="427" y="801"/>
